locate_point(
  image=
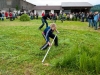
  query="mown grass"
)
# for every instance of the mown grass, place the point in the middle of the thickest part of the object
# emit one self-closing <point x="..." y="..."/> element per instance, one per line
<point x="77" y="54"/>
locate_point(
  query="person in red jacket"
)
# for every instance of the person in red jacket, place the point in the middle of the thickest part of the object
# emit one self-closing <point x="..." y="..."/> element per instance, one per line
<point x="6" y="15"/>
<point x="43" y="14"/>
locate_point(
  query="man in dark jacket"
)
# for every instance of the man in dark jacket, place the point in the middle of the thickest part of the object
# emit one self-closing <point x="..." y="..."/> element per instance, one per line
<point x="48" y="32"/>
<point x="44" y="20"/>
<point x="90" y="19"/>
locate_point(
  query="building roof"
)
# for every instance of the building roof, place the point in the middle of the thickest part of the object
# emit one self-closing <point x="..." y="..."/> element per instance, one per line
<point x="76" y="4"/>
<point x="29" y="2"/>
<point x="47" y="8"/>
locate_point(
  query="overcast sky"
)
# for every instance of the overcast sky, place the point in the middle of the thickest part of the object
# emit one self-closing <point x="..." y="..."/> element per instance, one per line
<point x="58" y="2"/>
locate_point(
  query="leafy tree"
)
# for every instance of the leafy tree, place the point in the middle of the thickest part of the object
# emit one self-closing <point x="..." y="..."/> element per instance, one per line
<point x="17" y="7"/>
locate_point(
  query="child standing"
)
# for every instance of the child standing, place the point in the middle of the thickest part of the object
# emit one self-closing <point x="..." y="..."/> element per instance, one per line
<point x="48" y="32"/>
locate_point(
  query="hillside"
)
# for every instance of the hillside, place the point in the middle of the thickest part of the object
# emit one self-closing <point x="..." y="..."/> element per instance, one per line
<point x="96" y="8"/>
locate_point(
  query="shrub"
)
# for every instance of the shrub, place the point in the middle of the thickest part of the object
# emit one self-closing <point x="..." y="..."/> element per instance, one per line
<point x="24" y="17"/>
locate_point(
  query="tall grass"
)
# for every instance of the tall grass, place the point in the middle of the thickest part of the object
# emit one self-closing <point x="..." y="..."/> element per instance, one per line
<point x="82" y="54"/>
<point x="97" y="63"/>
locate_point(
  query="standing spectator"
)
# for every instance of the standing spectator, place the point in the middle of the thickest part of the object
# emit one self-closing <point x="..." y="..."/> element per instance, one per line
<point x="68" y="16"/>
<point x="37" y="15"/>
<point x="51" y="17"/>
<point x="0" y="15"/>
<point x="44" y="20"/>
<point x="99" y="20"/>
<point x="16" y="14"/>
<point x="62" y="17"/>
<point x="71" y="16"/>
<point x="83" y="16"/>
<point x="76" y="16"/>
<point x="2" y="18"/>
<point x="79" y="16"/>
<point x="87" y="14"/>
<point x="10" y="15"/>
<point x="31" y="15"/>
<point x="34" y="16"/>
<point x="90" y="19"/>
<point x="54" y="17"/>
<point x="6" y="15"/>
<point x="96" y="17"/>
<point x="13" y="15"/>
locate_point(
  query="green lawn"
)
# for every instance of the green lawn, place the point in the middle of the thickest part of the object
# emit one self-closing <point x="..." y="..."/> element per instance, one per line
<point x="78" y="52"/>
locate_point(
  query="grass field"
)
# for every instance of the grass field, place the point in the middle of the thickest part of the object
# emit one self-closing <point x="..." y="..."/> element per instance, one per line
<point x="78" y="52"/>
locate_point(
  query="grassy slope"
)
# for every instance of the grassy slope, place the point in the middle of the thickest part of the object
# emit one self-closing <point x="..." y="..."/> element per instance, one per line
<point x="20" y="43"/>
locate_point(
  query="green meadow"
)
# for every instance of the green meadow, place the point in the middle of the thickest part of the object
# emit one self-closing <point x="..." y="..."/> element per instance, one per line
<point x="78" y="52"/>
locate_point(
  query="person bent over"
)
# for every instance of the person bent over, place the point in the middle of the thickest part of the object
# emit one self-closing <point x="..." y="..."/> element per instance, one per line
<point x="48" y="32"/>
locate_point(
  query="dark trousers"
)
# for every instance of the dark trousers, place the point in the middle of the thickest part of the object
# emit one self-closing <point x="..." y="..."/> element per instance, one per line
<point x="2" y="18"/>
<point x="36" y="17"/>
<point x="54" y="19"/>
<point x="95" y="25"/>
<point x="90" y="22"/>
<point x="82" y="19"/>
<point x="45" y="46"/>
<point x="31" y="17"/>
<point x="62" y="19"/>
<point x="43" y="22"/>
<point x="76" y="19"/>
<point x="99" y="23"/>
<point x="11" y="19"/>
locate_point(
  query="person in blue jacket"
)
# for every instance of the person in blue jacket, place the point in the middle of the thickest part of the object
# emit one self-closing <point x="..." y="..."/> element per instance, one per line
<point x="48" y="32"/>
<point x="96" y="18"/>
